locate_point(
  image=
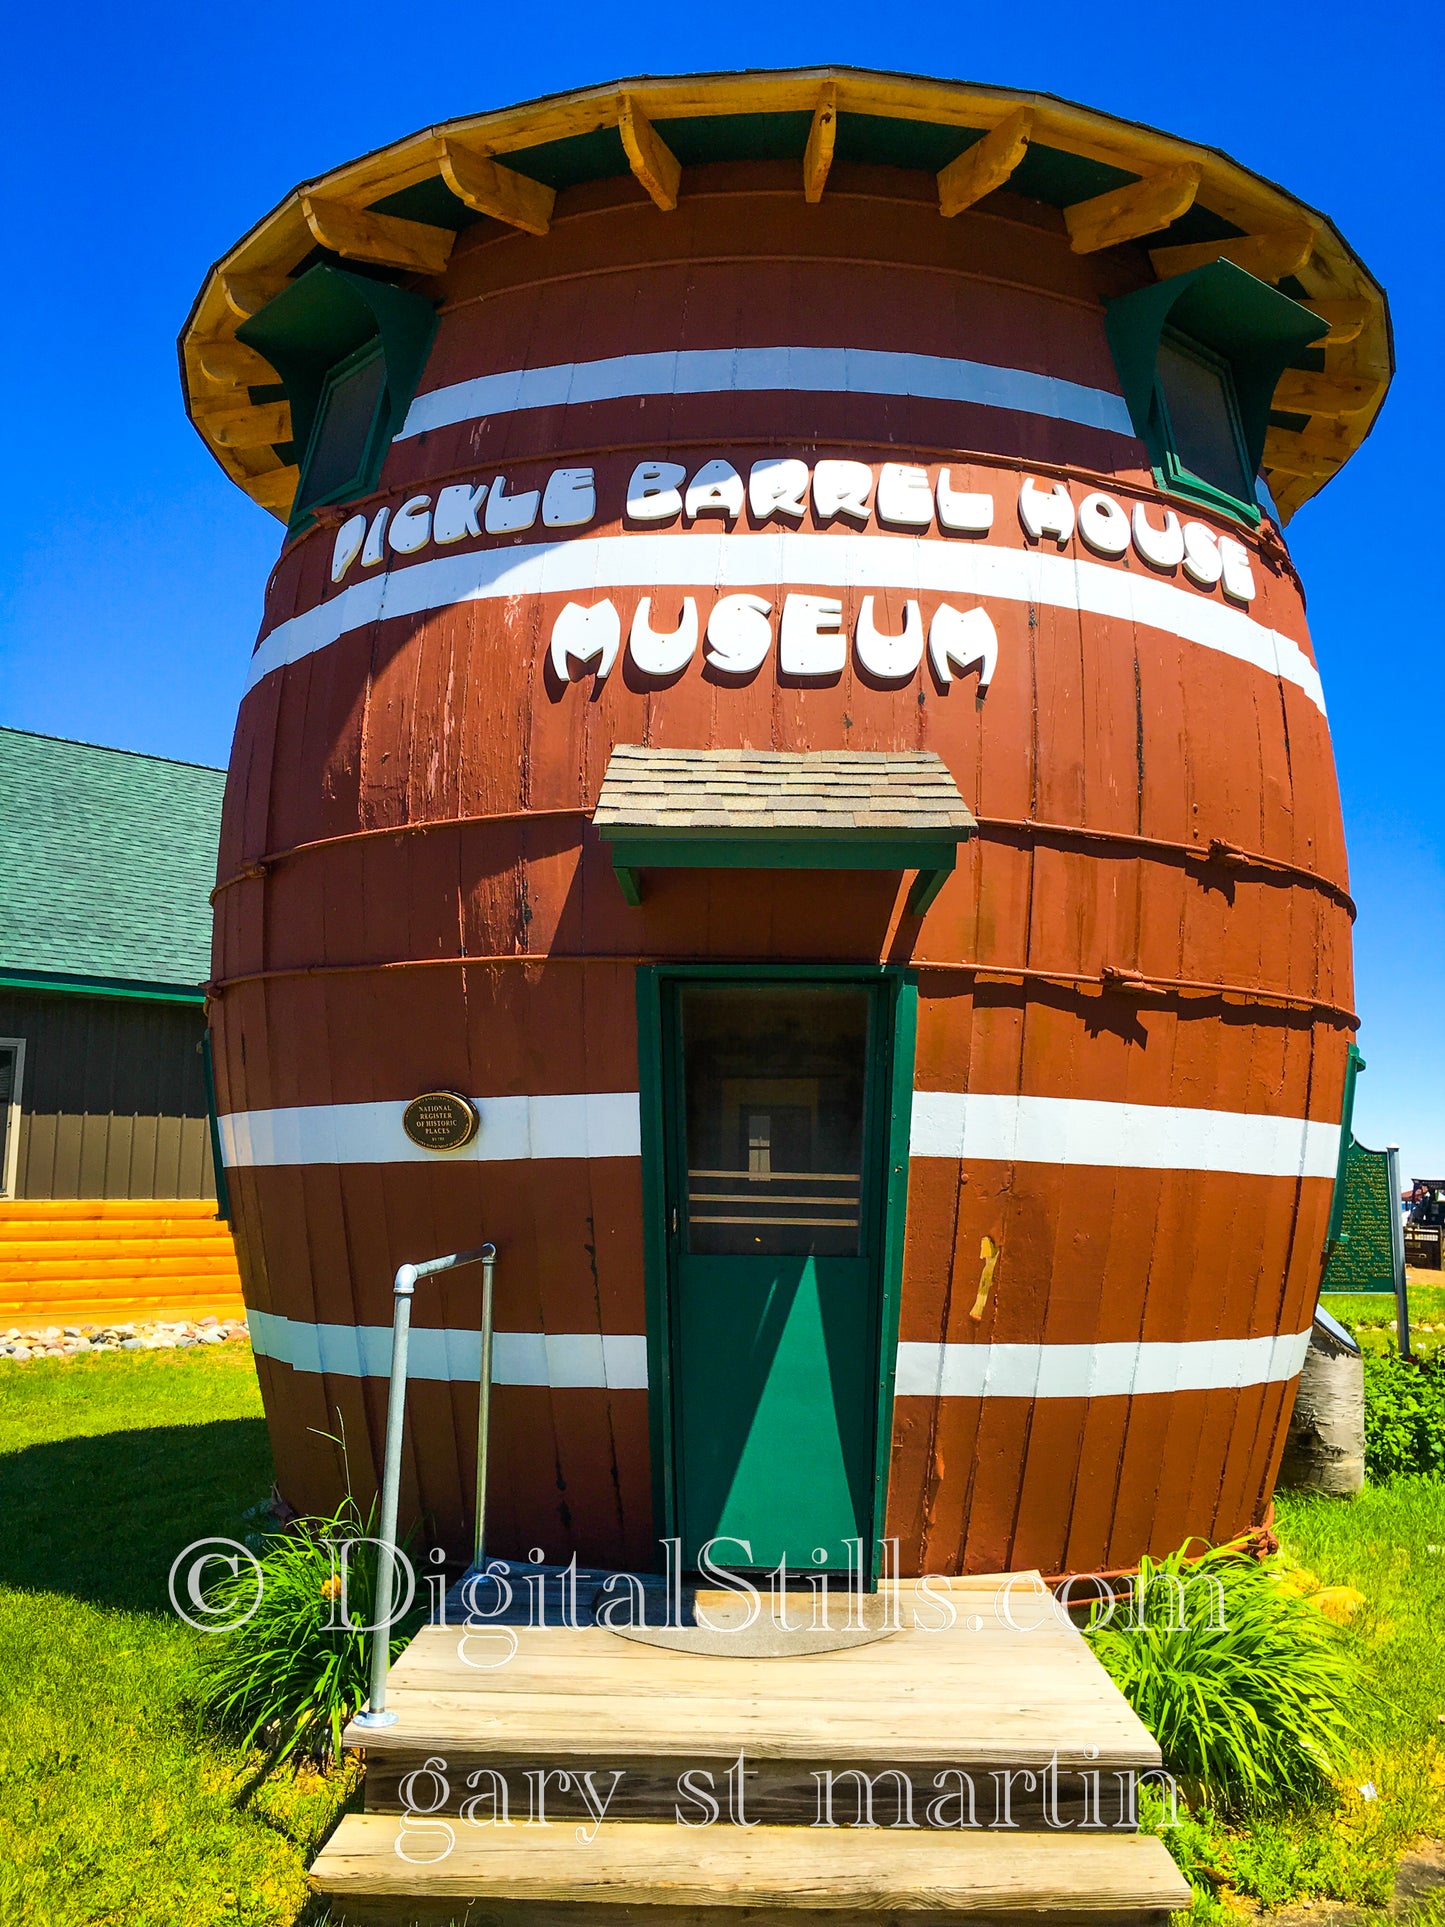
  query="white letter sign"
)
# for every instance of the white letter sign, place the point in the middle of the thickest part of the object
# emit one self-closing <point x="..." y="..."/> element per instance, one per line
<point x="812" y="642"/>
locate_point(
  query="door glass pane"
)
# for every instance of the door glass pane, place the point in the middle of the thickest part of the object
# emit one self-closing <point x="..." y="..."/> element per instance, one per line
<point x="775" y="1085"/>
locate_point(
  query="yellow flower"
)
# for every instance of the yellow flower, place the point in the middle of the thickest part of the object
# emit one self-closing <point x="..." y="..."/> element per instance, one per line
<point x="1339" y="1603"/>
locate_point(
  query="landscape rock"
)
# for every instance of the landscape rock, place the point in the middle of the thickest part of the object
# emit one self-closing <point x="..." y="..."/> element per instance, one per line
<point x="151" y="1334"/>
<point x="161" y="1334"/>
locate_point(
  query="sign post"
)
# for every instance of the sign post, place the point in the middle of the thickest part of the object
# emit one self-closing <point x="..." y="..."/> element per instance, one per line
<point x="1397" y="1251"/>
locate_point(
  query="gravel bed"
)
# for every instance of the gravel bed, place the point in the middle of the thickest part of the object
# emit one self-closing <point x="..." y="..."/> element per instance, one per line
<point x="147" y="1335"/>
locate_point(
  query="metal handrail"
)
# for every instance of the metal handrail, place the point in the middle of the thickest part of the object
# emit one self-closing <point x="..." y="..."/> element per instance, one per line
<point x="403" y="1286"/>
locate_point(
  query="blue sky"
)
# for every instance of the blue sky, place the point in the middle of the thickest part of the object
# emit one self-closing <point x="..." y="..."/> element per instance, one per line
<point x="144" y="140"/>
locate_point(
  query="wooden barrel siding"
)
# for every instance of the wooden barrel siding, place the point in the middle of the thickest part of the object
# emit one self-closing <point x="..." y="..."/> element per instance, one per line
<point x="1152" y="1156"/>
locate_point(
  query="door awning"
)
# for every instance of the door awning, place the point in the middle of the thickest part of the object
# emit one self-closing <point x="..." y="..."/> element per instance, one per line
<point x="744" y="809"/>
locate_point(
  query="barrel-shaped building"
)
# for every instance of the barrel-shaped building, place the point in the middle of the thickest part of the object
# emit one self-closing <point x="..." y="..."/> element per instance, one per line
<point x="785" y="715"/>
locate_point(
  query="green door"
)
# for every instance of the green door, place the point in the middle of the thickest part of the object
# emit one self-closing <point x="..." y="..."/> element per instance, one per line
<point x="776" y="1101"/>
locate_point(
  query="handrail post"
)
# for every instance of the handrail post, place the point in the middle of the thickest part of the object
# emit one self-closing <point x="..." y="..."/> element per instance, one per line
<point x="1397" y="1252"/>
<point x="376" y="1713"/>
<point x="484" y="1412"/>
<point x="403" y="1286"/>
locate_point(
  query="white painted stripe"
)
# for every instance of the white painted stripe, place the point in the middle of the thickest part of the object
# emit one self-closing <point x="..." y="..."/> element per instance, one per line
<point x="593" y="565"/>
<point x="596" y="1124"/>
<point x="563" y="1360"/>
<point x="1096" y="1371"/>
<point x="1144" y="1137"/>
<point x="618" y="1362"/>
<point x="814" y="371"/>
<point x="967" y="1126"/>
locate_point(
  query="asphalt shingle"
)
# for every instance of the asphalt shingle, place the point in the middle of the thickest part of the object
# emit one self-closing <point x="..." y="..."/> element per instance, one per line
<point x="107" y="860"/>
<point x="656" y="791"/>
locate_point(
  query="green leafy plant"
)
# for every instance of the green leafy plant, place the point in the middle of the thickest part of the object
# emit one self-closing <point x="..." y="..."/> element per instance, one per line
<point x="1404" y="1416"/>
<point x="296" y="1670"/>
<point x="1245" y="1685"/>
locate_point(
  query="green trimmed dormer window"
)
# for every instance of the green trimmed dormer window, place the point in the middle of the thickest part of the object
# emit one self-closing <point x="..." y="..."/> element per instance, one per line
<point x="350" y="351"/>
<point x="346" y="449"/>
<point x="1199" y="356"/>
<point x="1197" y="425"/>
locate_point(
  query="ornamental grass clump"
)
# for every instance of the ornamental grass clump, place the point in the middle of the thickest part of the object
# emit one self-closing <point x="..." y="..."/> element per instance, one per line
<point x="292" y="1673"/>
<point x="1246" y="1686"/>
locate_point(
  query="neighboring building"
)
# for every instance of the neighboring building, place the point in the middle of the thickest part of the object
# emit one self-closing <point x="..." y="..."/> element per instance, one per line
<point x="107" y="860"/>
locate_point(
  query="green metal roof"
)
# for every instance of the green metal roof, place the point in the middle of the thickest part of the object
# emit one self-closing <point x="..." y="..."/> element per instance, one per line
<point x="107" y="860"/>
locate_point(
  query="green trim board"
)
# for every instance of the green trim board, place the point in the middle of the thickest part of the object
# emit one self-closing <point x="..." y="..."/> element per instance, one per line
<point x="932" y="857"/>
<point x="890" y="1083"/>
<point x="742" y="809"/>
<point x="318" y="327"/>
<point x="101" y="987"/>
<point x="218" y="1161"/>
<point x="903" y="1048"/>
<point x="357" y="447"/>
<point x="1253" y="329"/>
<point x="656" y="1295"/>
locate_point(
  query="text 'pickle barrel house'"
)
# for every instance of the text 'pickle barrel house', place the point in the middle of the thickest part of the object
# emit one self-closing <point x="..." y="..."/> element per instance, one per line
<point x="784" y="691"/>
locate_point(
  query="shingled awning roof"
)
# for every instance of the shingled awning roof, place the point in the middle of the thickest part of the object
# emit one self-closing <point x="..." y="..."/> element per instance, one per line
<point x="780" y="809"/>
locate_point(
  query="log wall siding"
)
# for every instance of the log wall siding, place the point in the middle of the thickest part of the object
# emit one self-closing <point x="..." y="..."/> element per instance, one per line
<point x="341" y="962"/>
<point x="113" y="1103"/>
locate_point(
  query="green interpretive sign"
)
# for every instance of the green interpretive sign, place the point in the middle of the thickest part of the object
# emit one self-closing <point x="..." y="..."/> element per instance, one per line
<point x="1363" y="1257"/>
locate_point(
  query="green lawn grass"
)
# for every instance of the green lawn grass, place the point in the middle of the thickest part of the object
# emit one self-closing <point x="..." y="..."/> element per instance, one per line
<point x="1427" y="1303"/>
<point x="1389" y="1544"/>
<point x="1370" y="1315"/>
<point x="114" y="1808"/>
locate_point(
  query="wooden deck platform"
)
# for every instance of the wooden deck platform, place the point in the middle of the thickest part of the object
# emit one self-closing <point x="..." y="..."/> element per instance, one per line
<point x="968" y="1773"/>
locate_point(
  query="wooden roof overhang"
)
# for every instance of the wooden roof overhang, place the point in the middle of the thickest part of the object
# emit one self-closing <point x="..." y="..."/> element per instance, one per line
<point x="739" y="809"/>
<point x="1117" y="182"/>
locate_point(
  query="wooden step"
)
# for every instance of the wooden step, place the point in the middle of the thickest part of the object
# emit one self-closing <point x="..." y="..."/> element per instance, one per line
<point x="387" y="1868"/>
<point x="981" y="1696"/>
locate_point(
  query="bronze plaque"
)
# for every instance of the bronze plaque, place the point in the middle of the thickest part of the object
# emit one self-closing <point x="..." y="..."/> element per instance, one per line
<point x="441" y="1120"/>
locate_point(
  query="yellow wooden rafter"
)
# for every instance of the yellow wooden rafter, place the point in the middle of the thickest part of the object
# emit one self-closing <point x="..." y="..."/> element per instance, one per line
<point x="1347" y="320"/>
<point x="254" y="426"/>
<point x="1270" y="257"/>
<point x="274" y="490"/>
<point x="230" y="363"/>
<point x="248" y="292"/>
<point x="1128" y="213"/>
<point x="490" y="188"/>
<point x="648" y="155"/>
<point x="987" y="164"/>
<point x="822" y="138"/>
<point x="1303" y="392"/>
<point x="383" y="240"/>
